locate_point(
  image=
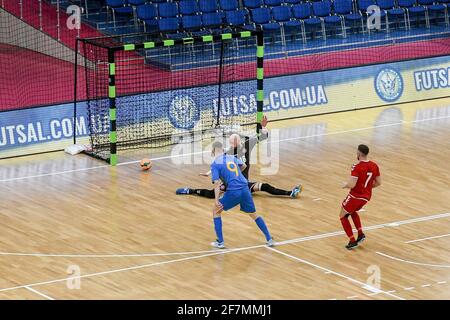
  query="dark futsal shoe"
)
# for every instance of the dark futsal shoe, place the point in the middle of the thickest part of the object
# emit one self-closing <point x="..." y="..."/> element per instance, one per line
<point x="361" y="238"/>
<point x="184" y="191"/>
<point x="351" y="245"/>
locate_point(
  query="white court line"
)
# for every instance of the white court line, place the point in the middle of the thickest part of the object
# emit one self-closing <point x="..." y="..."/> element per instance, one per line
<point x="39" y="293"/>
<point x="215" y="252"/>
<point x="429" y="238"/>
<point x="296" y="240"/>
<point x="378" y="226"/>
<point x="90" y="275"/>
<point x="201" y="152"/>
<point x="361" y="284"/>
<point x="413" y="262"/>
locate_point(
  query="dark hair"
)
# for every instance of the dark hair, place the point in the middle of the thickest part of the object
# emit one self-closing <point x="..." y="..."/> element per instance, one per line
<point x="363" y="149"/>
<point x="217" y="145"/>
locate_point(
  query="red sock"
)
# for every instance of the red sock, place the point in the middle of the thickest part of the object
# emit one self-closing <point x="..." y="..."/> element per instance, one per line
<point x="347" y="228"/>
<point x="357" y="222"/>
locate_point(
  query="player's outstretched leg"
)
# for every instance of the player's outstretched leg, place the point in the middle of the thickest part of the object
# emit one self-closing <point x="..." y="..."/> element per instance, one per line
<point x="217" y="219"/>
<point x="278" y="192"/>
<point x="262" y="226"/>
<point x="357" y="221"/>
<point x="200" y="192"/>
<point x="348" y="229"/>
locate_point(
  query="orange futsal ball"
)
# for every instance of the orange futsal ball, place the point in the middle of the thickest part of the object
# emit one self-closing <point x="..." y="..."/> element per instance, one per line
<point x="146" y="164"/>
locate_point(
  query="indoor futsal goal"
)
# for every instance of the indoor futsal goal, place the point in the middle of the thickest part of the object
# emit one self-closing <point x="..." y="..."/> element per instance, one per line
<point x="144" y="91"/>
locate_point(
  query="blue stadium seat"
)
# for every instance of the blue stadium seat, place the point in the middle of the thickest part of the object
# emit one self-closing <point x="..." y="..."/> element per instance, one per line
<point x="253" y="4"/>
<point x="147" y="14"/>
<point x="168" y="10"/>
<point x="391" y="11"/>
<point x="229" y="5"/>
<point x="117" y="7"/>
<point x="273" y="3"/>
<point x="170" y="28"/>
<point x="345" y="8"/>
<point x="412" y="9"/>
<point x="435" y="7"/>
<point x="207" y="6"/>
<point x="136" y="2"/>
<point x="262" y="16"/>
<point x="212" y="21"/>
<point x="303" y="11"/>
<point x="290" y="2"/>
<point x="188" y="7"/>
<point x="193" y="25"/>
<point x="283" y="15"/>
<point x="235" y="18"/>
<point x="322" y="9"/>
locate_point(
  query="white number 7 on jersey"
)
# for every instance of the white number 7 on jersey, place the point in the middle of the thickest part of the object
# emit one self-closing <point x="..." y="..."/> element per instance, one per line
<point x="369" y="176"/>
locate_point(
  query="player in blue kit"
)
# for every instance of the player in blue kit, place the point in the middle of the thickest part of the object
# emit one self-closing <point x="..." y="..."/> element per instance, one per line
<point x="227" y="170"/>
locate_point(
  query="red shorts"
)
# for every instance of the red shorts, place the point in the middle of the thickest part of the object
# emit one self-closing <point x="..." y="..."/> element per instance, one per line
<point x="352" y="204"/>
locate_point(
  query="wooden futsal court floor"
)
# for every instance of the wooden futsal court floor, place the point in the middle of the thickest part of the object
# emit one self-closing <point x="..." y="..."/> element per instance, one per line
<point x="74" y="228"/>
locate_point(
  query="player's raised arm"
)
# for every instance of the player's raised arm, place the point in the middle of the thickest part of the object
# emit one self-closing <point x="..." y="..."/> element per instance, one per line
<point x="263" y="134"/>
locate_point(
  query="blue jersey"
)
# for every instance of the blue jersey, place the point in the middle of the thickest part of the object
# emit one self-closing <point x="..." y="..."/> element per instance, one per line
<point x="226" y="168"/>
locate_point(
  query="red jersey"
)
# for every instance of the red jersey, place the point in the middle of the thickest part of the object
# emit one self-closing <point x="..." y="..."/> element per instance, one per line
<point x="366" y="171"/>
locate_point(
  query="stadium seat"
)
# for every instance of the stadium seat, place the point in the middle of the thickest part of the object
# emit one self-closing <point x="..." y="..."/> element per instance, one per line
<point x="208" y="6"/>
<point x="168" y="10"/>
<point x="412" y="9"/>
<point x="170" y="28"/>
<point x="253" y="4"/>
<point x="345" y="8"/>
<point x="303" y="11"/>
<point x="272" y="3"/>
<point x="388" y="6"/>
<point x="188" y="7"/>
<point x="290" y="2"/>
<point x="229" y="5"/>
<point x="117" y="7"/>
<point x="322" y="9"/>
<point x="283" y="15"/>
<point x="193" y="25"/>
<point x="147" y="14"/>
<point x="363" y="5"/>
<point x="236" y="18"/>
<point x="262" y="16"/>
<point x="435" y="7"/>
<point x="135" y="4"/>
<point x="212" y="21"/>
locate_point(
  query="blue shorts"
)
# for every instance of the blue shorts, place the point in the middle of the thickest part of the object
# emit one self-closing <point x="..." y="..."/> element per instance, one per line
<point x="243" y="197"/>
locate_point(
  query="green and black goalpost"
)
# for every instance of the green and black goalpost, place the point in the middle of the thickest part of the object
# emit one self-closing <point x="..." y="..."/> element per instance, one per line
<point x="145" y="91"/>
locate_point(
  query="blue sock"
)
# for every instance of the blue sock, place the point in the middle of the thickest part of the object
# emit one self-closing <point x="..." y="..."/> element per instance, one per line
<point x="262" y="225"/>
<point x="218" y="228"/>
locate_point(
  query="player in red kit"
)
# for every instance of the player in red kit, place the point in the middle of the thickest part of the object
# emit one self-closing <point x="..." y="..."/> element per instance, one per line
<point x="365" y="175"/>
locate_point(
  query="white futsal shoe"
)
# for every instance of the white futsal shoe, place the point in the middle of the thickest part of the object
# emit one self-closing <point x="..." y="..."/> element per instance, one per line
<point x="218" y="245"/>
<point x="270" y="243"/>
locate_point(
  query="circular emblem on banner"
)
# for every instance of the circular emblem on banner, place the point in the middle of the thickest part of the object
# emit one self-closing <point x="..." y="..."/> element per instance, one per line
<point x="183" y="112"/>
<point x="389" y="84"/>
